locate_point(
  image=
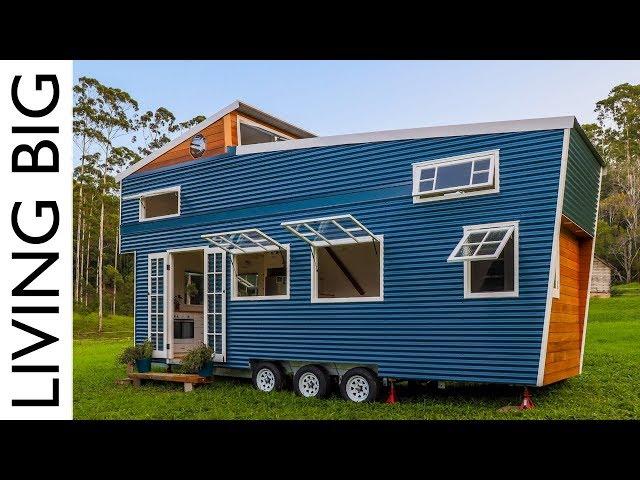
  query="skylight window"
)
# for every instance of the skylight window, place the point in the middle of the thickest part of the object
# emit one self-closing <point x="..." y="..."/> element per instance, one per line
<point x="456" y="176"/>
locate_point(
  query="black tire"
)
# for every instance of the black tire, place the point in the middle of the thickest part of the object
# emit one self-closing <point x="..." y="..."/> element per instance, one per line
<point x="267" y="377"/>
<point x="360" y="385"/>
<point x="318" y="387"/>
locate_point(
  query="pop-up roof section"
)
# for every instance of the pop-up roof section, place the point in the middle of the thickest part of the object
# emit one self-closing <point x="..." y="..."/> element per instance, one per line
<point x="238" y="106"/>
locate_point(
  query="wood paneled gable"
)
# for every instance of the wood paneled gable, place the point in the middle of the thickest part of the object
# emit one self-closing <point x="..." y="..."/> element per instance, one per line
<point x="220" y="135"/>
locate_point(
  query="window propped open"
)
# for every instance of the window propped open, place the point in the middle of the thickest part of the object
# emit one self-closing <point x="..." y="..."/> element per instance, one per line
<point x="481" y="244"/>
<point x="243" y="241"/>
<point x="490" y="256"/>
<point x="347" y="258"/>
<point x="260" y="264"/>
<point x="330" y="231"/>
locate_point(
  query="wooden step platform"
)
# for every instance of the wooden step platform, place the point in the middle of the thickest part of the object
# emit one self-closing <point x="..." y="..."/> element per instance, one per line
<point x="189" y="380"/>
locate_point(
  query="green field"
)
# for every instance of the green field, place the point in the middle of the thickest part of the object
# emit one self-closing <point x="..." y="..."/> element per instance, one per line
<point x="607" y="389"/>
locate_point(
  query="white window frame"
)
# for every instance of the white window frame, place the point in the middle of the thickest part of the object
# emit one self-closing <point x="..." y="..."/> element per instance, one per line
<point x="246" y="121"/>
<point x="459" y="191"/>
<point x="314" y="273"/>
<point x="234" y="270"/>
<point x="152" y="193"/>
<point x="350" y="239"/>
<point x="516" y="263"/>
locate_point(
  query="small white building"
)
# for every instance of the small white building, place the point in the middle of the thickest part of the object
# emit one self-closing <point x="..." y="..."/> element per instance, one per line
<point x="600" y="278"/>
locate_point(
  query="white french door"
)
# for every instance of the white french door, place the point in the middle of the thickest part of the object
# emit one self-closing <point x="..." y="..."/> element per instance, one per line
<point x="215" y="312"/>
<point x="158" y="303"/>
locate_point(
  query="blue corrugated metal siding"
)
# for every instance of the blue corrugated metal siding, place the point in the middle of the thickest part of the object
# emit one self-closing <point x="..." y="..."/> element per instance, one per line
<point x="424" y="328"/>
<point x="582" y="184"/>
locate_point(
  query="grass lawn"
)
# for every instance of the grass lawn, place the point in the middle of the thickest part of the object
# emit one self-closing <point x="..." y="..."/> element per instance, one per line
<point x="607" y="389"/>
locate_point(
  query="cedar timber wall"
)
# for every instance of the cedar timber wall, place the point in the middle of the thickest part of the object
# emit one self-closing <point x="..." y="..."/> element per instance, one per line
<point x="218" y="136"/>
<point x="566" y="328"/>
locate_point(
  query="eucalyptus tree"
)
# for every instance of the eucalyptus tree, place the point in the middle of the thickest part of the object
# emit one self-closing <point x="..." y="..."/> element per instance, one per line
<point x="116" y="110"/>
<point x="617" y="136"/>
<point x="85" y="134"/>
<point x="155" y="129"/>
<point x="85" y="181"/>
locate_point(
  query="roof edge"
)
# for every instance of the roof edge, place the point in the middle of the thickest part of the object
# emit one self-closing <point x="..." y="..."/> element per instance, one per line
<point x="586" y="140"/>
<point x="549" y="123"/>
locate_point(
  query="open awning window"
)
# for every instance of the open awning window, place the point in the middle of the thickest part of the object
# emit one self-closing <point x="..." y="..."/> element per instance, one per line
<point x="243" y="241"/>
<point x="330" y="231"/>
<point x="481" y="244"/>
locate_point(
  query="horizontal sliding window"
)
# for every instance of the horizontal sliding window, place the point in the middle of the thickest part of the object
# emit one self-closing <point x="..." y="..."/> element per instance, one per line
<point x="477" y="172"/>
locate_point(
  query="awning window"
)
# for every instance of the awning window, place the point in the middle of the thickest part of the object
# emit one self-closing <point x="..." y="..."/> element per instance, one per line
<point x="329" y="231"/>
<point x="243" y="241"/>
<point x="481" y="244"/>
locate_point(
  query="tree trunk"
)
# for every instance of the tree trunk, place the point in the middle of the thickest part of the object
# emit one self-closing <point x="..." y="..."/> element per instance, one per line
<point x="101" y="240"/>
<point x="80" y="274"/>
<point x="100" y="259"/>
<point x="76" y="292"/>
<point x="86" y="270"/>
<point x="115" y="264"/>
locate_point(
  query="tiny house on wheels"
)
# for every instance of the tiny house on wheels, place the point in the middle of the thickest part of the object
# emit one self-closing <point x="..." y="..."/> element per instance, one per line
<point x="457" y="253"/>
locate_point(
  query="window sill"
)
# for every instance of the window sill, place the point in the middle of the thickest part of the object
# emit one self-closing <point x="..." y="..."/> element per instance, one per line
<point x="263" y="297"/>
<point x="161" y="217"/>
<point x="453" y="196"/>
<point x="486" y="295"/>
<point x="347" y="300"/>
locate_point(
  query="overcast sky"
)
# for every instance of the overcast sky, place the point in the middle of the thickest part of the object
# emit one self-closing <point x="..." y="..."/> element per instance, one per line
<point x="337" y="97"/>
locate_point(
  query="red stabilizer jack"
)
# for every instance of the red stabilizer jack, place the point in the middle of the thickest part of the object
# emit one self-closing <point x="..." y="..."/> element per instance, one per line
<point x="392" y="394"/>
<point x="527" y="403"/>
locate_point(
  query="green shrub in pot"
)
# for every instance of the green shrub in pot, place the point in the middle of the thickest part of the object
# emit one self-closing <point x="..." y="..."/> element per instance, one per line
<point x="198" y="360"/>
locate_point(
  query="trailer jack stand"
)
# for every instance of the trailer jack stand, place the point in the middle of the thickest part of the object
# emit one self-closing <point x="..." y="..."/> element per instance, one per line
<point x="527" y="403"/>
<point x="391" y="399"/>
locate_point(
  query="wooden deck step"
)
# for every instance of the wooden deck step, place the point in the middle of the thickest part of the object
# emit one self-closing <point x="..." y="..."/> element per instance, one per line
<point x="187" y="379"/>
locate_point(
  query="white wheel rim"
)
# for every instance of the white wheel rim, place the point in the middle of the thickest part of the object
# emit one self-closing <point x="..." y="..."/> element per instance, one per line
<point x="357" y="388"/>
<point x="266" y="380"/>
<point x="309" y="385"/>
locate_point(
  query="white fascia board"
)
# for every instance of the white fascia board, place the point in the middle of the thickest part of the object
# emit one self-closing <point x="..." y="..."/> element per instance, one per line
<point x="177" y="141"/>
<point x="551" y="123"/>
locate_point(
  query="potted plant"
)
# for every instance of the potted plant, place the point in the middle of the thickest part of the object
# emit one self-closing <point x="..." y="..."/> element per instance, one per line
<point x="176" y="302"/>
<point x="139" y="354"/>
<point x="191" y="290"/>
<point x="198" y="360"/>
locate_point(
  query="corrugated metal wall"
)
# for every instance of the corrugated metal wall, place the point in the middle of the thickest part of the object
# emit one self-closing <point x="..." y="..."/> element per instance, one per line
<point x="582" y="184"/>
<point x="424" y="328"/>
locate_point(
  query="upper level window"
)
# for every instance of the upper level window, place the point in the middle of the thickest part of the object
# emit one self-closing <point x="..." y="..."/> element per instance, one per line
<point x="490" y="256"/>
<point x="463" y="175"/>
<point x="198" y="146"/>
<point x="251" y="132"/>
<point x="160" y="204"/>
